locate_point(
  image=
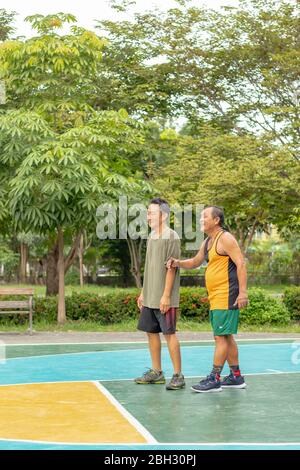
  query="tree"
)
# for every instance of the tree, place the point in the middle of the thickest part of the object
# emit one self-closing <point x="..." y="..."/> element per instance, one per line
<point x="237" y="68"/>
<point x="58" y="186"/>
<point x="6" y="24"/>
<point x="255" y="182"/>
<point x="54" y="77"/>
<point x="8" y="258"/>
<point x="128" y="76"/>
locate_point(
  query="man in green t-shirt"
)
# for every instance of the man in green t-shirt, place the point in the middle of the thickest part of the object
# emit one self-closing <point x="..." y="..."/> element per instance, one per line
<point x="159" y="299"/>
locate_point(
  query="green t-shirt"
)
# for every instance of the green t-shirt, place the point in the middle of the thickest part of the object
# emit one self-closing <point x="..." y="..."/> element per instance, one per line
<point x="159" y="250"/>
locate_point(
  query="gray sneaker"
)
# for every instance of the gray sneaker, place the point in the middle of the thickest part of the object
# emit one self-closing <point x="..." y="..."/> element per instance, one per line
<point x="176" y="383"/>
<point x="151" y="377"/>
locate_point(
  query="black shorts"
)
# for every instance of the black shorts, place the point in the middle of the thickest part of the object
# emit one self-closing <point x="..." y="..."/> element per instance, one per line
<point x="153" y="321"/>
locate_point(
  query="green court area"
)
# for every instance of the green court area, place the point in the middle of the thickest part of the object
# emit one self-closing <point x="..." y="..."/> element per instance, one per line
<point x="79" y="396"/>
<point x="266" y="412"/>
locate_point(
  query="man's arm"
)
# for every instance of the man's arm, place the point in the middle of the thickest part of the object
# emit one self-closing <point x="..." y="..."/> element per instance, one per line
<point x="140" y="300"/>
<point x="166" y="297"/>
<point x="232" y="249"/>
<point x="190" y="263"/>
<point x="173" y="250"/>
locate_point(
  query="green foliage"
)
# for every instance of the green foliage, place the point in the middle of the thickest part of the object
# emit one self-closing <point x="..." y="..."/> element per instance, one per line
<point x="6" y="27"/>
<point x="194" y="303"/>
<point x="72" y="278"/>
<point x="63" y="159"/>
<point x="8" y="257"/>
<point x="263" y="310"/>
<point x="46" y="24"/>
<point x="121" y="306"/>
<point x="235" y="69"/>
<point x="62" y="178"/>
<point x="291" y="300"/>
<point x="51" y="74"/>
<point x="274" y="257"/>
<point x="218" y="169"/>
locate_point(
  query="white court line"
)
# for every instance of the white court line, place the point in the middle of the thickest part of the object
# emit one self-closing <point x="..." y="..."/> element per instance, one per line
<point x="146" y="342"/>
<point x="133" y="421"/>
<point x="131" y="379"/>
<point x="85" y="343"/>
<point x="275" y="370"/>
<point x="199" y="376"/>
<point x="139" y="444"/>
<point x="112" y="351"/>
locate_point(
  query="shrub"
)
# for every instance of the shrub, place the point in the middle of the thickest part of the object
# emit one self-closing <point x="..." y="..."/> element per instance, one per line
<point x="291" y="299"/>
<point x="72" y="278"/>
<point x="264" y="309"/>
<point x="122" y="306"/>
<point x="194" y="303"/>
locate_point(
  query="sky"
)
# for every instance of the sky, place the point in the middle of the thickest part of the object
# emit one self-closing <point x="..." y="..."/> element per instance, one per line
<point x="87" y="11"/>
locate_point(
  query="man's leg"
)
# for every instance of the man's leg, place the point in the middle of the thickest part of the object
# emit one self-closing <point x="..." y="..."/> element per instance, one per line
<point x="149" y="324"/>
<point x="233" y="353"/>
<point x="155" y="350"/>
<point x="212" y="382"/>
<point x="220" y="355"/>
<point x="174" y="350"/>
<point x="234" y="380"/>
<point x="177" y="381"/>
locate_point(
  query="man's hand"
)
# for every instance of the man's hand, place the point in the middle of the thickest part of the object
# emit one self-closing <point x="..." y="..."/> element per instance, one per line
<point x="173" y="263"/>
<point x="165" y="302"/>
<point x="242" y="300"/>
<point x="140" y="301"/>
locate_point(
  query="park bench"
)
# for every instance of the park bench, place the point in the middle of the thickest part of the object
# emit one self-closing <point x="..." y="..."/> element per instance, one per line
<point x="22" y="307"/>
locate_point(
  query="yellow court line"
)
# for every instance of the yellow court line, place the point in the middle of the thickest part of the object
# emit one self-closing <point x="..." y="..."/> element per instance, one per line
<point x="63" y="412"/>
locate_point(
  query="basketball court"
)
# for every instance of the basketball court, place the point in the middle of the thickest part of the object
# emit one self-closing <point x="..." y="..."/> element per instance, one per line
<point x="82" y="396"/>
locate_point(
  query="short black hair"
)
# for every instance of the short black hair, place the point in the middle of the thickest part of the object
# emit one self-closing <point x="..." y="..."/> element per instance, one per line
<point x="162" y="203"/>
<point x="217" y="212"/>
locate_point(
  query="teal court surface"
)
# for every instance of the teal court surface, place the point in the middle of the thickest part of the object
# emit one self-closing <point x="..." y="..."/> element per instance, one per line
<point x="82" y="396"/>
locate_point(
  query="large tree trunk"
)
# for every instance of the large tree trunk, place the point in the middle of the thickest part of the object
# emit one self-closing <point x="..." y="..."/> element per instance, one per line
<point x="23" y="262"/>
<point x="51" y="272"/>
<point x="61" y="310"/>
<point x="135" y="249"/>
<point x="80" y="256"/>
<point x="52" y="263"/>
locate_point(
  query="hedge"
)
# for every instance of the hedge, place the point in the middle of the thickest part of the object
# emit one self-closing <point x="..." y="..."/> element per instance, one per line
<point x="264" y="309"/>
<point x="291" y="299"/>
<point x="122" y="306"/>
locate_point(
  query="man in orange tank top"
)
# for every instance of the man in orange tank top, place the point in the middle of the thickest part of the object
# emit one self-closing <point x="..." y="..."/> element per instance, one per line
<point x="226" y="283"/>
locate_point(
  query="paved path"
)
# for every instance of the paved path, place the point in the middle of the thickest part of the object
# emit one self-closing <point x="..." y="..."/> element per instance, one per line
<point x="85" y="337"/>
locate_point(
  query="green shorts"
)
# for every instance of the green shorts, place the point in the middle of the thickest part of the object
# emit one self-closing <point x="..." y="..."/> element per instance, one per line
<point x="224" y="322"/>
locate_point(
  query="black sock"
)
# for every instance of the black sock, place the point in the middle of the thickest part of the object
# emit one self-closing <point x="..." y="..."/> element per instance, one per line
<point x="217" y="371"/>
<point x="235" y="370"/>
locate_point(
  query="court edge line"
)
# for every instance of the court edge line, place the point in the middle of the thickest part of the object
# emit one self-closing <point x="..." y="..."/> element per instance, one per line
<point x="132" y="379"/>
<point x="131" y="419"/>
<point x="109" y="352"/>
<point x="199" y="376"/>
<point x="156" y="443"/>
<point x="146" y="342"/>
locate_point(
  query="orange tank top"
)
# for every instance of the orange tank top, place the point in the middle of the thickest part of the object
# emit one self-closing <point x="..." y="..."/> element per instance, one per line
<point x="220" y="277"/>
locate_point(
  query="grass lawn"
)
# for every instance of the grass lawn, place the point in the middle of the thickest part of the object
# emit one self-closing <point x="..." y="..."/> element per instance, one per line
<point x="128" y="326"/>
<point x="92" y="288"/>
<point x="275" y="289"/>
